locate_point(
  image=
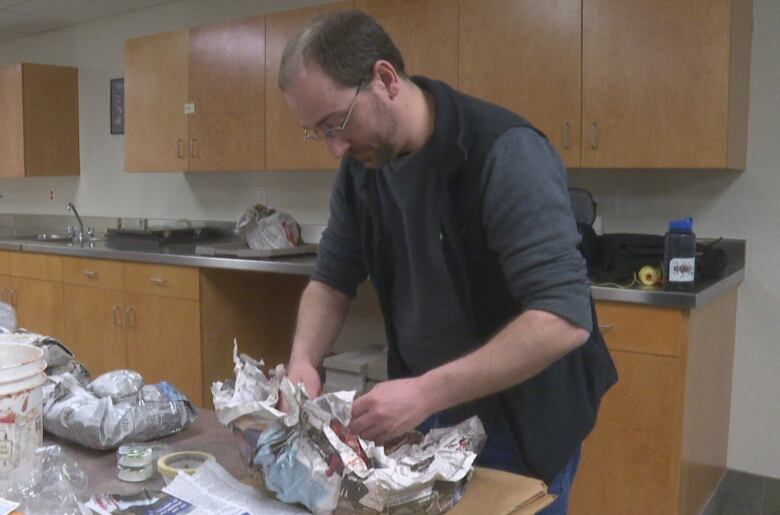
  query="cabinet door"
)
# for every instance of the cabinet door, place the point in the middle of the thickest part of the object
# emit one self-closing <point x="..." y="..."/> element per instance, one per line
<point x="163" y="341"/>
<point x="631" y="460"/>
<point x="227" y="89"/>
<point x="94" y="327"/>
<point x="655" y="83"/>
<point x="426" y="33"/>
<point x="155" y="94"/>
<point x="285" y="147"/>
<point x="39" y="306"/>
<point x="12" y="128"/>
<point x="525" y="55"/>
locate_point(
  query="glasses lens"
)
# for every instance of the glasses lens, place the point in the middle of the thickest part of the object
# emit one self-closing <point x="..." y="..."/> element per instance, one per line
<point x="312" y="134"/>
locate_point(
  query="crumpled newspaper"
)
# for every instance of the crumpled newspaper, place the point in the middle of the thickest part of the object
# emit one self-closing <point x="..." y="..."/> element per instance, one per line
<point x="309" y="455"/>
<point x="264" y="227"/>
<point x="113" y="409"/>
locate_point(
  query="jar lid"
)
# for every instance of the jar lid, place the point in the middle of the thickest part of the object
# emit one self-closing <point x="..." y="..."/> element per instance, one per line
<point x="134" y="455"/>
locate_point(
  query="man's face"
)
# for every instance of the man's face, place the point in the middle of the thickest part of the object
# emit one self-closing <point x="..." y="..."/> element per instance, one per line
<point x="321" y="104"/>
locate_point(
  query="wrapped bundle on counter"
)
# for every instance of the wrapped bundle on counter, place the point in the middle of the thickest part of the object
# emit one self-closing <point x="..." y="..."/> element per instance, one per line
<point x="309" y="456"/>
<point x="264" y="227"/>
<point x="113" y="409"/>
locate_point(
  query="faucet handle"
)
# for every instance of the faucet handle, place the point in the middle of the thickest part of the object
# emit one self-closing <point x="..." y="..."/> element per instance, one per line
<point x="71" y="231"/>
<point x="91" y="232"/>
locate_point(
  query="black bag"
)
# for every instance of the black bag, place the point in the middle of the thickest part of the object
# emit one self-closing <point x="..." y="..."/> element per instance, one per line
<point x="618" y="256"/>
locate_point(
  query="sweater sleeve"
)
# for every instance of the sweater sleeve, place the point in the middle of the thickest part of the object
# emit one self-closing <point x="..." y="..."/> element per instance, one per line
<point x="340" y="262"/>
<point x="529" y="223"/>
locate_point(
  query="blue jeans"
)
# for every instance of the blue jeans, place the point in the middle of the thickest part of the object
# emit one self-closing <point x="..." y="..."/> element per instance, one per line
<point x="499" y="453"/>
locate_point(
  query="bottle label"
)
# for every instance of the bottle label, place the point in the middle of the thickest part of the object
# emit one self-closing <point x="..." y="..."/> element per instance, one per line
<point x="681" y="270"/>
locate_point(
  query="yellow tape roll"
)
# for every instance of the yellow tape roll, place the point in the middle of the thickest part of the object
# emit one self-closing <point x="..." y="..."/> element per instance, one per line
<point x="184" y="461"/>
<point x="649" y="275"/>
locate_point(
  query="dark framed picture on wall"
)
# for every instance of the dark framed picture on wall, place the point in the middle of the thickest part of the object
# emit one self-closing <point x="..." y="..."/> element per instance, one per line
<point x="118" y="106"/>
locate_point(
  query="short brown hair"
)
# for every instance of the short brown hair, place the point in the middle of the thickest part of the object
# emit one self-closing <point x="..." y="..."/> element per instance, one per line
<point x="345" y="44"/>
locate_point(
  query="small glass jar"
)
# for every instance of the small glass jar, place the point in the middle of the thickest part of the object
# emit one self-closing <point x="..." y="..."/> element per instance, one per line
<point x="134" y="462"/>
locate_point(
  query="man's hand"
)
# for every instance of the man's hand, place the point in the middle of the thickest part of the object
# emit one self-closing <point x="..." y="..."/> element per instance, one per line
<point x="302" y="372"/>
<point x="390" y="409"/>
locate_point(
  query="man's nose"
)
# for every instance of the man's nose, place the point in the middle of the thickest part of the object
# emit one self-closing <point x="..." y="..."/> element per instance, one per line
<point x="338" y="145"/>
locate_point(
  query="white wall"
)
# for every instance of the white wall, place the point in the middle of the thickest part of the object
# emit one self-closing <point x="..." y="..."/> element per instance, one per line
<point x="737" y="205"/>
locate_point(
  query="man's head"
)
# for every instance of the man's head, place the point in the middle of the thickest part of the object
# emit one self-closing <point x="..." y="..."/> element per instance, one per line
<point x="341" y="75"/>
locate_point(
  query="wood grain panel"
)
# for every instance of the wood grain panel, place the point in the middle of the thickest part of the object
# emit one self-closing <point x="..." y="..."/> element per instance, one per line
<point x="94" y="327"/>
<point x="710" y="361"/>
<point x="285" y="147"/>
<point x="227" y="87"/>
<point x="39" y="306"/>
<point x="739" y="82"/>
<point x="163" y="280"/>
<point x="426" y="33"/>
<point x="655" y="82"/>
<point x="6" y="290"/>
<point x="51" y="120"/>
<point x="259" y="309"/>
<point x="643" y="328"/>
<point x="525" y="55"/>
<point x="155" y="94"/>
<point x="630" y="462"/>
<point x="36" y="266"/>
<point x="163" y="342"/>
<point x="5" y="262"/>
<point x="12" y="126"/>
<point x="96" y="273"/>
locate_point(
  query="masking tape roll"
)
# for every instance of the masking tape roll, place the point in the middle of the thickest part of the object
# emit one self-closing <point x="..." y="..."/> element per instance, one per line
<point x="649" y="275"/>
<point x="184" y="461"/>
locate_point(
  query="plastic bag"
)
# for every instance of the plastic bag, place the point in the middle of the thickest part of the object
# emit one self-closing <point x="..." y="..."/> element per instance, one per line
<point x="265" y="228"/>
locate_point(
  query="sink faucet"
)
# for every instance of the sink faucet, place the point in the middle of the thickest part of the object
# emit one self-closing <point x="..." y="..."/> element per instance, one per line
<point x="80" y="235"/>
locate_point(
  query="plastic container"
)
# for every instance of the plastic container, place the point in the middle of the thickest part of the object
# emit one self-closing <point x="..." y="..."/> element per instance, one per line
<point x="21" y="397"/>
<point x="680" y="255"/>
<point x="134" y="462"/>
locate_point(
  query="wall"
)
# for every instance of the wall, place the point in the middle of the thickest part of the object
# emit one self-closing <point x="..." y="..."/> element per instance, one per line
<point x="729" y="204"/>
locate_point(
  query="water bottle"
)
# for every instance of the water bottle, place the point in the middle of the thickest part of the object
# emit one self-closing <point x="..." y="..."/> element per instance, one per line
<point x="680" y="255"/>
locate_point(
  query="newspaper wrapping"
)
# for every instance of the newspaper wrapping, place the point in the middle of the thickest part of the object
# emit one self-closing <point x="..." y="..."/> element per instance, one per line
<point x="266" y="228"/>
<point x="309" y="456"/>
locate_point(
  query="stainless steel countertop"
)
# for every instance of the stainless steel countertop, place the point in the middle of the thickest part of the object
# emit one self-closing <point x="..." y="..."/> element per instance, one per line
<point x="184" y="255"/>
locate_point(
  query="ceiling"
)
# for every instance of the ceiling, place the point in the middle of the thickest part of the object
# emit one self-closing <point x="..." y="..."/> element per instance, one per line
<point x="23" y="18"/>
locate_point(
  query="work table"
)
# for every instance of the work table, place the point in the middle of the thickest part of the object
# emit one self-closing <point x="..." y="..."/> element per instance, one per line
<point x="184" y="255"/>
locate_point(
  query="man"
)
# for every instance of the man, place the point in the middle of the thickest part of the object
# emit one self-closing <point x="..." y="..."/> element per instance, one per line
<point x="458" y="211"/>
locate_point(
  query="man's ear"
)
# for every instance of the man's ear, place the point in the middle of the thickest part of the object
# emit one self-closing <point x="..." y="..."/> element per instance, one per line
<point x="388" y="77"/>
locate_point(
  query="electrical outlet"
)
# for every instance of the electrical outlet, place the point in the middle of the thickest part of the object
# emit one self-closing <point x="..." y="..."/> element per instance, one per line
<point x="51" y="194"/>
<point x="260" y="195"/>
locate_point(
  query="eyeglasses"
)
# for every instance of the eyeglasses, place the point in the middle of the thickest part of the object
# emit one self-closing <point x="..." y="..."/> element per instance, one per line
<point x="330" y="132"/>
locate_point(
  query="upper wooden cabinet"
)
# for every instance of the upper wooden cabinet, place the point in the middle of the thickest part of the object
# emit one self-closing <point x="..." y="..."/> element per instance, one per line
<point x="665" y="84"/>
<point x="39" y="120"/>
<point x="285" y="147"/>
<point x="426" y="33"/>
<point x="525" y="56"/>
<point x="195" y="99"/>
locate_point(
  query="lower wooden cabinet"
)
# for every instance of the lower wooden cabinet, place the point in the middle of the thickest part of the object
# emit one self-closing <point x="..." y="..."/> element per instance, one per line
<point x="659" y="445"/>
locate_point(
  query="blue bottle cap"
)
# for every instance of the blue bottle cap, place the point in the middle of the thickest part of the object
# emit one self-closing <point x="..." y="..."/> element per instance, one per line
<point x="681" y="225"/>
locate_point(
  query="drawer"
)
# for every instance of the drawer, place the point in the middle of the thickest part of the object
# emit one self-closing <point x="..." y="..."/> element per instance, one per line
<point x="162" y="280"/>
<point x="5" y="262"/>
<point x="98" y="273"/>
<point x="36" y="266"/>
<point x="647" y="329"/>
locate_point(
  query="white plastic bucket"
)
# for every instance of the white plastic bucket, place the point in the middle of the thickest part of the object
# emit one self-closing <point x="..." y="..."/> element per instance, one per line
<point x="21" y="399"/>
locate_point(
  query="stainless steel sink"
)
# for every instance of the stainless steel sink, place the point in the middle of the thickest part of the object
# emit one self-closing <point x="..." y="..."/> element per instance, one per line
<point x="53" y="237"/>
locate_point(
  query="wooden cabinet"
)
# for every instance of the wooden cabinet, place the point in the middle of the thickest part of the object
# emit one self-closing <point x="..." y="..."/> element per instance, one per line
<point x="426" y="33"/>
<point x="195" y="99"/>
<point x="659" y="445"/>
<point x="137" y="316"/>
<point x="525" y="56"/>
<point x="665" y="85"/>
<point x="39" y="120"/>
<point x="285" y="147"/>
<point x="36" y="292"/>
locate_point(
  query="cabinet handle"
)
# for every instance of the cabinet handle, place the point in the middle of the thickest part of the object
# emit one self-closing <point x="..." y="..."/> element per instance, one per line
<point x="180" y="148"/>
<point x="116" y="315"/>
<point x="193" y="148"/>
<point x="90" y="274"/>
<point x="605" y="328"/>
<point x="158" y="281"/>
<point x="130" y="316"/>
<point x="566" y="128"/>
<point x="594" y="136"/>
